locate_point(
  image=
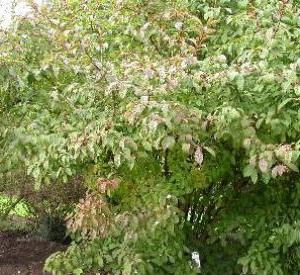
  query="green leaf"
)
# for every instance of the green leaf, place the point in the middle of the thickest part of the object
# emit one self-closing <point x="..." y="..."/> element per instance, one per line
<point x="168" y="142"/>
<point x="292" y="166"/>
<point x="210" y="150"/>
<point x="78" y="271"/>
<point x="254" y="177"/>
<point x="283" y="103"/>
<point x="248" y="170"/>
<point x="186" y="147"/>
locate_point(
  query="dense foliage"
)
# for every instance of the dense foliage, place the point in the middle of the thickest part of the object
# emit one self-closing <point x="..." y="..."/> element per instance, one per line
<point x="179" y="119"/>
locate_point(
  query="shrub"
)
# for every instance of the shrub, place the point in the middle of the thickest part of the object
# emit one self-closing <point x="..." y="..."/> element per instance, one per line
<point x="181" y="117"/>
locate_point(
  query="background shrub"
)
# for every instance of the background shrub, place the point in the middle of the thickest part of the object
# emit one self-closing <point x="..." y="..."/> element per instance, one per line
<point x="181" y="120"/>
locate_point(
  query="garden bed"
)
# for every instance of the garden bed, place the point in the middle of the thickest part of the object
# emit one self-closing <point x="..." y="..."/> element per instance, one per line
<point x="20" y="254"/>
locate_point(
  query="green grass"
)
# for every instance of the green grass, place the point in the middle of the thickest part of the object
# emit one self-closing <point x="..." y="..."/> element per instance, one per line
<point x="17" y="219"/>
<point x="20" y="209"/>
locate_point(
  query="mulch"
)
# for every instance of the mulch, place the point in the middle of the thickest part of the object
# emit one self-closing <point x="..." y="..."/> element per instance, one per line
<point x="24" y="255"/>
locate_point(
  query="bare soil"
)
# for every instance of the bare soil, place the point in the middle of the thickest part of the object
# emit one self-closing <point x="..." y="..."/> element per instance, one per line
<point x="24" y="255"/>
